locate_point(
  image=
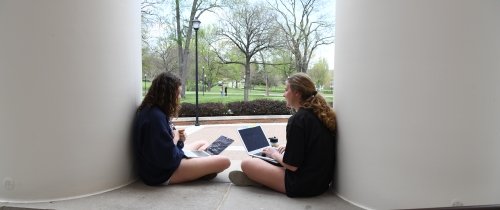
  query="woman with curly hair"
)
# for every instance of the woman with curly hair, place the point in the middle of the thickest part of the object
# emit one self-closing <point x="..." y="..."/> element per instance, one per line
<point x="158" y="145"/>
<point x="309" y="155"/>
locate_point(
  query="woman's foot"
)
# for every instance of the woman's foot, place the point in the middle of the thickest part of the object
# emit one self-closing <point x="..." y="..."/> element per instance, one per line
<point x="239" y="178"/>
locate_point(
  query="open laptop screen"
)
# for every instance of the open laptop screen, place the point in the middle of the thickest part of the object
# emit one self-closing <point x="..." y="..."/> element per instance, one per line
<point x="253" y="138"/>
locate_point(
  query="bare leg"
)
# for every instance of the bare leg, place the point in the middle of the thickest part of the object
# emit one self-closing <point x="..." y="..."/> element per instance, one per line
<point x="264" y="173"/>
<point x="197" y="145"/>
<point x="194" y="168"/>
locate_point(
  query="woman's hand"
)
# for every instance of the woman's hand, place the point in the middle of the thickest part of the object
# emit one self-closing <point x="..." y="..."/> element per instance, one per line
<point x="179" y="135"/>
<point x="281" y="149"/>
<point x="270" y="152"/>
<point x="278" y="156"/>
<point x="182" y="135"/>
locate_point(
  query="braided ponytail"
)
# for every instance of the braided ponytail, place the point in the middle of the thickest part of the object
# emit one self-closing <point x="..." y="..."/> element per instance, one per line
<point x="319" y="106"/>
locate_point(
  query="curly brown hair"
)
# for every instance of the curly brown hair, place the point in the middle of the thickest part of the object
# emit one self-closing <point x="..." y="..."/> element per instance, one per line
<point x="310" y="98"/>
<point x="164" y="93"/>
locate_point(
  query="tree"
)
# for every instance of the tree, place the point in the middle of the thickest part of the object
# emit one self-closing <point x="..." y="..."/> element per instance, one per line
<point x="285" y="58"/>
<point x="149" y="16"/>
<point x="251" y="28"/>
<point x="320" y="73"/>
<point x="234" y="71"/>
<point x="214" y="70"/>
<point x="165" y="51"/>
<point x="185" y="33"/>
<point x="147" y="61"/>
<point x="157" y="38"/>
<point x="305" y="28"/>
<point x="265" y="71"/>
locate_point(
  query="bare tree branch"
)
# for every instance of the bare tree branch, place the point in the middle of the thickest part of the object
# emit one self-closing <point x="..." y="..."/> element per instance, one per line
<point x="304" y="32"/>
<point x="251" y="29"/>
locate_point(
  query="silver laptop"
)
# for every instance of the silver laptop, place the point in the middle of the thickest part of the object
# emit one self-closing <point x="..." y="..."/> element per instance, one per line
<point x="219" y="145"/>
<point x="254" y="141"/>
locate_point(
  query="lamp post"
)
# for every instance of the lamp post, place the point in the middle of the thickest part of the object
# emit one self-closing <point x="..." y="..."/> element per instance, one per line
<point x="196" y="26"/>
<point x="203" y="79"/>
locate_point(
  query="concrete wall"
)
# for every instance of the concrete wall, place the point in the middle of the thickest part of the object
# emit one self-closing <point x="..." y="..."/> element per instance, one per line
<point x="69" y="84"/>
<point x="418" y="102"/>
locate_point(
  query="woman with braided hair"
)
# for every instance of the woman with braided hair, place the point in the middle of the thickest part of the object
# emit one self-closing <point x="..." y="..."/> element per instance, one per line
<point x="158" y="145"/>
<point x="309" y="155"/>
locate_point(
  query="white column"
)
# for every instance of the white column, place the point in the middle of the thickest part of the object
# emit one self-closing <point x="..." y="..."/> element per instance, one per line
<point x="418" y="102"/>
<point x="69" y="84"/>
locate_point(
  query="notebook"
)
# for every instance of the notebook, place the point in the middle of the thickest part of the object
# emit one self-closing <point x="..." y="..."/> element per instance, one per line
<point x="254" y="141"/>
<point x="219" y="145"/>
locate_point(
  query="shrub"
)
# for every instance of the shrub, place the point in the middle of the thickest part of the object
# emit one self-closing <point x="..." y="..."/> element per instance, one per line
<point x="269" y="107"/>
<point x="206" y="109"/>
<point x="235" y="108"/>
<point x="212" y="109"/>
<point x="187" y="110"/>
<point x="277" y="107"/>
<point x="259" y="107"/>
<point x="256" y="107"/>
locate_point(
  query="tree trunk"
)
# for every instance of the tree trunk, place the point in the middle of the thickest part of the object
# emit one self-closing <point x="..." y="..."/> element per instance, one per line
<point x="247" y="80"/>
<point x="298" y="58"/>
<point x="265" y="72"/>
<point x="184" y="53"/>
<point x="305" y="60"/>
<point x="267" y="84"/>
<point x="179" y="45"/>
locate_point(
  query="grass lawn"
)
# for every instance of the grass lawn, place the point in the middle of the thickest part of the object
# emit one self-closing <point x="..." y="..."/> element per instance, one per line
<point x="236" y="94"/>
<point x="211" y="97"/>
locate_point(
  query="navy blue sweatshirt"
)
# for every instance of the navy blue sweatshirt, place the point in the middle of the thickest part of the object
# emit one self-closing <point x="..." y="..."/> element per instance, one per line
<point x="156" y="155"/>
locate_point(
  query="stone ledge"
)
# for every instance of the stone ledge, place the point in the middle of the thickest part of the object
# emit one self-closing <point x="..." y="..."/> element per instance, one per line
<point x="233" y="119"/>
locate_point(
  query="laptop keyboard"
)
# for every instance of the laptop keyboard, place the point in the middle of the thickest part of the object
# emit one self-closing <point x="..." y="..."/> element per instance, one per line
<point x="261" y="154"/>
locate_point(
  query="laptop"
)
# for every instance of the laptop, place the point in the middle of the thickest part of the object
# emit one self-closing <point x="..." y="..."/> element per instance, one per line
<point x="219" y="145"/>
<point x="255" y="141"/>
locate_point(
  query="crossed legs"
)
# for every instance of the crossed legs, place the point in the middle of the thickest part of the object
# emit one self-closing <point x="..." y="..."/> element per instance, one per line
<point x="194" y="168"/>
<point x="264" y="173"/>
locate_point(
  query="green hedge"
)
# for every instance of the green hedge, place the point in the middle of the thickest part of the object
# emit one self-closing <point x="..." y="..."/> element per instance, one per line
<point x="255" y="107"/>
